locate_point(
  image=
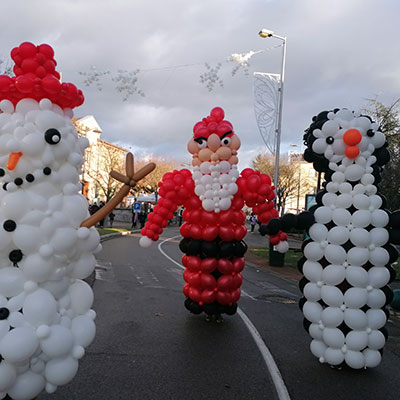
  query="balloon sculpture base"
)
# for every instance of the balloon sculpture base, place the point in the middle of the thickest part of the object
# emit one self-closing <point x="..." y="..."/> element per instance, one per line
<point x="276" y="259"/>
<point x="213" y="309"/>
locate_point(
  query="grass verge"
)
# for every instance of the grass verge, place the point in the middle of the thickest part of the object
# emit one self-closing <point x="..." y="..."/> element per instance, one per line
<point x="291" y="257"/>
<point x="107" y="231"/>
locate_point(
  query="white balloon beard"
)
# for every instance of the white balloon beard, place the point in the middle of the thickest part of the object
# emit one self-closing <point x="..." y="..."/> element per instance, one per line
<point x="215" y="185"/>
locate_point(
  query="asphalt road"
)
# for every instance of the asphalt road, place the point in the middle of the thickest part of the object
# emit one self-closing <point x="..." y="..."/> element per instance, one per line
<point x="149" y="347"/>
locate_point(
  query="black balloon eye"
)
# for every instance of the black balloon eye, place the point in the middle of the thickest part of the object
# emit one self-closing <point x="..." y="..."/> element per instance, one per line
<point x="370" y="133"/>
<point x="330" y="139"/>
<point x="52" y="136"/>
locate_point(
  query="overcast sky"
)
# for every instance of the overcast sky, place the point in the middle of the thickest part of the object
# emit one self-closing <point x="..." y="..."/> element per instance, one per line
<point x="339" y="53"/>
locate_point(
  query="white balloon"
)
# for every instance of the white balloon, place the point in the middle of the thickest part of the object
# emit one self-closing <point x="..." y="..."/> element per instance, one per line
<point x="40" y="307"/>
<point x="36" y="268"/>
<point x="318" y="232"/>
<point x="338" y="177"/>
<point x="323" y="215"/>
<point x="332" y="296"/>
<point x="355" y="319"/>
<point x="379" y="256"/>
<point x="329" y="199"/>
<point x="355" y="297"/>
<point x="372" y="358"/>
<point x="81" y="297"/>
<point x="376" y="340"/>
<point x="378" y="276"/>
<point x="345" y="187"/>
<point x="312" y="271"/>
<point x="313" y="251"/>
<point x="332" y="317"/>
<point x="312" y="292"/>
<point x="85" y="266"/>
<point x="356" y="340"/>
<point x="341" y="217"/>
<point x="379" y="236"/>
<point x="334" y="274"/>
<point x="357" y="276"/>
<point x="333" y="356"/>
<point x="315" y="331"/>
<point x="335" y="254"/>
<point x="379" y="218"/>
<point x="318" y="348"/>
<point x="282" y="247"/>
<point x="361" y="201"/>
<point x="358" y="256"/>
<point x="338" y="235"/>
<point x="376" y="318"/>
<point x="376" y="298"/>
<point x="18" y="344"/>
<point x="8" y="375"/>
<point x="312" y="311"/>
<point x="355" y="359"/>
<point x="84" y="330"/>
<point x="11" y="281"/>
<point x="59" y="371"/>
<point x="360" y="237"/>
<point x="333" y="337"/>
<point x="345" y="200"/>
<point x="27" y="386"/>
<point x="361" y="218"/>
<point x="354" y="172"/>
<point x="58" y="343"/>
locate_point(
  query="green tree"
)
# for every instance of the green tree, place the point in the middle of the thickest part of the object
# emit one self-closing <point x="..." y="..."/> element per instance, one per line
<point x="388" y="117"/>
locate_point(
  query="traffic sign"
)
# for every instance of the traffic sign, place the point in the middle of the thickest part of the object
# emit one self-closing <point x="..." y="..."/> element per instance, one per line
<point x="136" y="206"/>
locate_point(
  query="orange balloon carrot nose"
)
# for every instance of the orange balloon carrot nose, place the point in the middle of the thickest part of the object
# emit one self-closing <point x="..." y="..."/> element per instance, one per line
<point x="13" y="160"/>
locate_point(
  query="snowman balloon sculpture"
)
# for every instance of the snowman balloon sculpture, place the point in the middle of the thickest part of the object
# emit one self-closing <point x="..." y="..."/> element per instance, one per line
<point x="46" y="320"/>
<point x="346" y="263"/>
<point x="213" y="198"/>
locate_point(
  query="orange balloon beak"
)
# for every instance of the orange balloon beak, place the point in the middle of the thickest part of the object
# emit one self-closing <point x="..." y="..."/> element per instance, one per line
<point x="13" y="160"/>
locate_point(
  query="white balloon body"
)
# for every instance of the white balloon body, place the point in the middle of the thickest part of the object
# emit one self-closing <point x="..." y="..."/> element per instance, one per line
<point x="45" y="306"/>
<point x="345" y="272"/>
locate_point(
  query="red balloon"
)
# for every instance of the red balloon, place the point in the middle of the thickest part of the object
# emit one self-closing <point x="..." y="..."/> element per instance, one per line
<point x="186" y="290"/>
<point x="195" y="216"/>
<point x="208" y="265"/>
<point x="24" y="84"/>
<point x="225" y="266"/>
<point x="240" y="232"/>
<point x="27" y="50"/>
<point x="194" y="263"/>
<point x="224" y="298"/>
<point x="51" y="84"/>
<point x="195" y="280"/>
<point x="253" y="183"/>
<point x="195" y="232"/>
<point x="187" y="275"/>
<point x="208" y="281"/>
<point x="226" y="217"/>
<point x="184" y="230"/>
<point x="46" y="50"/>
<point x="237" y="280"/>
<point x="29" y="65"/>
<point x="265" y="179"/>
<point x="235" y="295"/>
<point x="194" y="294"/>
<point x="225" y="282"/>
<point x="237" y="203"/>
<point x="226" y="233"/>
<point x="210" y="233"/>
<point x="5" y="82"/>
<point x="247" y="172"/>
<point x="163" y="212"/>
<point x="168" y="185"/>
<point x="208" y="296"/>
<point x="178" y="179"/>
<point x="274" y="240"/>
<point x="238" y="264"/>
<point x="208" y="218"/>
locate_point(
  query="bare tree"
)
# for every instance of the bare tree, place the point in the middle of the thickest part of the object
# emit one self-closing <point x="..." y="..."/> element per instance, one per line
<point x="388" y="117"/>
<point x="290" y="183"/>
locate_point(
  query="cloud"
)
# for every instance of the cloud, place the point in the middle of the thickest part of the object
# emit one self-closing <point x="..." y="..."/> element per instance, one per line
<point x="338" y="54"/>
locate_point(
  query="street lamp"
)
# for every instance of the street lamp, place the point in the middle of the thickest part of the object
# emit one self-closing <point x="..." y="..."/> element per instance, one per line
<point x="265" y="33"/>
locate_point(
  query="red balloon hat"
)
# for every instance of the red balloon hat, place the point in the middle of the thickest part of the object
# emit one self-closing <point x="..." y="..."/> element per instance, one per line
<point x="36" y="77"/>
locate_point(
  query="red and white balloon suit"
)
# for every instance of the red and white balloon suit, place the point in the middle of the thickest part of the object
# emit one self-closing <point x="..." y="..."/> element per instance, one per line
<point x="213" y="197"/>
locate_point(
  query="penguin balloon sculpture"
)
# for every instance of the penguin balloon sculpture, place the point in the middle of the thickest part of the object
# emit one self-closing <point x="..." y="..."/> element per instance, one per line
<point x="347" y="260"/>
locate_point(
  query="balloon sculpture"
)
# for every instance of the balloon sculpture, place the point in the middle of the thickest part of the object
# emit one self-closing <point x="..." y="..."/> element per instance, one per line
<point x="213" y="198"/>
<point x="46" y="320"/>
<point x="346" y="263"/>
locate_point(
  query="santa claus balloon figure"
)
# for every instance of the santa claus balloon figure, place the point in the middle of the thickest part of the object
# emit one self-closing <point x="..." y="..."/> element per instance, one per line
<point x="47" y="239"/>
<point x="347" y="259"/>
<point x="213" y="197"/>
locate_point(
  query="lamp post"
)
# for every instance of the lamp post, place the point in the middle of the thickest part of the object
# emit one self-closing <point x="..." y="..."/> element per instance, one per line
<point x="265" y="33"/>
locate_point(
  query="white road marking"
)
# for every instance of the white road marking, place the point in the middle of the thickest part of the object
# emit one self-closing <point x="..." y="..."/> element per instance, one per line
<point x="273" y="369"/>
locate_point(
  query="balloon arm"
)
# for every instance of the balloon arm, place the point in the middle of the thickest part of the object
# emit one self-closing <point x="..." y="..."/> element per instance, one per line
<point x="130" y="180"/>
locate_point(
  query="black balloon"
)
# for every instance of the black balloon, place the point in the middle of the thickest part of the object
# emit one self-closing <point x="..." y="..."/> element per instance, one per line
<point x="394" y="236"/>
<point x="274" y="226"/>
<point x="226" y="249"/>
<point x="388" y="293"/>
<point x="303" y="282"/>
<point x="300" y="264"/>
<point x="394" y="219"/>
<point x="240" y="248"/>
<point x="209" y="249"/>
<point x="263" y="230"/>
<point x="288" y="221"/>
<point x="305" y="220"/>
<point x="301" y="303"/>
